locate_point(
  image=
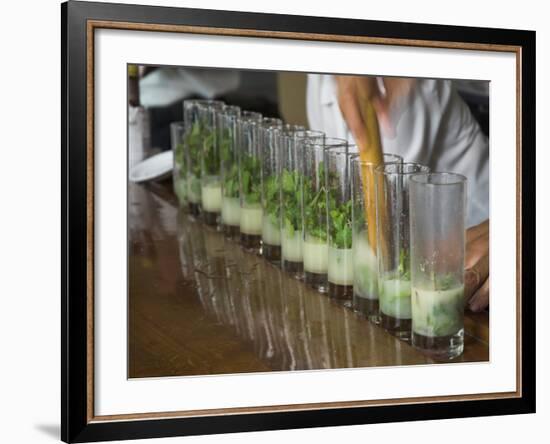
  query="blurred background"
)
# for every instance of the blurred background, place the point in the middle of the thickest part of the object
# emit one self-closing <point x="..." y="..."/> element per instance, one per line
<point x="160" y="91"/>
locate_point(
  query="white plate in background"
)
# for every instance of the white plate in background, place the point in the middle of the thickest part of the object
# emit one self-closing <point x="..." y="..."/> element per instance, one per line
<point x="155" y="167"/>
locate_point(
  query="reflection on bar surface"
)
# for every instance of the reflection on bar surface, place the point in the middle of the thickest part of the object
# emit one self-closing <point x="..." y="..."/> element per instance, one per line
<point x="200" y="304"/>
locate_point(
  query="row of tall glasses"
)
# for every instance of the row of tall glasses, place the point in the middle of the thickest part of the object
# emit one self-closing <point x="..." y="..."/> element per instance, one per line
<point x="387" y="239"/>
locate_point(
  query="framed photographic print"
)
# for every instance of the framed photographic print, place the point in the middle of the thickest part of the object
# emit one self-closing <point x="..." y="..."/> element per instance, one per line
<point x="275" y="221"/>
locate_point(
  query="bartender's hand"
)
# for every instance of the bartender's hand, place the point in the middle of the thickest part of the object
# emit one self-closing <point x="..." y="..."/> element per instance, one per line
<point x="476" y="279"/>
<point x="354" y="89"/>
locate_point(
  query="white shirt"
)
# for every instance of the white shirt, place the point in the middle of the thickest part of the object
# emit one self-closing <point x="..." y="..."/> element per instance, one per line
<point x="436" y="128"/>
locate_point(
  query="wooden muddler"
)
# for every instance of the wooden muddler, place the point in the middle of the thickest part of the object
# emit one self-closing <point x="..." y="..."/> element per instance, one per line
<point x="370" y="152"/>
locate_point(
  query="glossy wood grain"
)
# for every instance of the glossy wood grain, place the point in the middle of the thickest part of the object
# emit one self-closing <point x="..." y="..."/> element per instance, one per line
<point x="199" y="304"/>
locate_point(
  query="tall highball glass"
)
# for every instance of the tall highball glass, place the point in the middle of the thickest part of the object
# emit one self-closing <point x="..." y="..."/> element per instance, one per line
<point x="271" y="137"/>
<point x="393" y="245"/>
<point x="363" y="212"/>
<point x="217" y="139"/>
<point x="228" y="139"/>
<point x="197" y="133"/>
<point x="315" y="195"/>
<point x="438" y="208"/>
<point x="339" y="217"/>
<point x="250" y="169"/>
<point x="291" y="177"/>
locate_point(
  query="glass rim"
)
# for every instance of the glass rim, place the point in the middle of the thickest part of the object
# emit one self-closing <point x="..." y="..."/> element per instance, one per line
<point x="290" y="128"/>
<point x="356" y="159"/>
<point x="381" y="169"/>
<point x="251" y="117"/>
<point x="271" y="121"/>
<point x="339" y="149"/>
<point x="203" y="102"/>
<point x="309" y="134"/>
<point x="326" y="143"/>
<point x="272" y="129"/>
<point x="230" y="110"/>
<point x="460" y="179"/>
<point x="300" y="138"/>
<point x="228" y="118"/>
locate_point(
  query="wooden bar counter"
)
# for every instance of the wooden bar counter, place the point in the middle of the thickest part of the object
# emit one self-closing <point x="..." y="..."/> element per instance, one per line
<point x="199" y="304"/>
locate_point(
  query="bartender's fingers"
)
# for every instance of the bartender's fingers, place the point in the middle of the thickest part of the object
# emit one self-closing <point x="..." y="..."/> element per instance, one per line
<point x="348" y="100"/>
<point x="477" y="231"/>
<point x="475" y="277"/>
<point x="480" y="300"/>
<point x="476" y="249"/>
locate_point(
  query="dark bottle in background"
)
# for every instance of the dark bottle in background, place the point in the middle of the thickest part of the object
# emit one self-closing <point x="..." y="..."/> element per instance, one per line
<point x="133" y="85"/>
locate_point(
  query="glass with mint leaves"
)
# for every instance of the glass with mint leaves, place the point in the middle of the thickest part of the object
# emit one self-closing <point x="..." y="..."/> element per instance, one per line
<point x="216" y="149"/>
<point x="179" y="172"/>
<point x="214" y="142"/>
<point x="339" y="209"/>
<point x="315" y="196"/>
<point x="291" y="178"/>
<point x="438" y="207"/>
<point x="365" y="261"/>
<point x="271" y="136"/>
<point x="250" y="169"/>
<point x="229" y="142"/>
<point x="196" y="133"/>
<point x="393" y="245"/>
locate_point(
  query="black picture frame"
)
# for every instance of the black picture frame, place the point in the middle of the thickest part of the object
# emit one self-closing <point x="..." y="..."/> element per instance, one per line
<point x="76" y="424"/>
